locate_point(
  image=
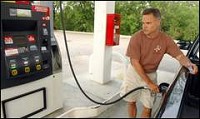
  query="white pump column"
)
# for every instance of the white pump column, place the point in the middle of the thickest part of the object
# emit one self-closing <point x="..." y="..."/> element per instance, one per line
<point x="100" y="60"/>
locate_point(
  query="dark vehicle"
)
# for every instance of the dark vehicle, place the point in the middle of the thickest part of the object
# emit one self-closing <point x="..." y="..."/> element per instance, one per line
<point x="185" y="45"/>
<point x="181" y="99"/>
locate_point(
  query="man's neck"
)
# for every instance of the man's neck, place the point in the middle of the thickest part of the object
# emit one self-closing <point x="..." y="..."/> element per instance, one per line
<point x="153" y="35"/>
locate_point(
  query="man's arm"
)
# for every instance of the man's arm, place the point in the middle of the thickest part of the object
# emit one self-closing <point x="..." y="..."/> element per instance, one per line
<point x="183" y="60"/>
<point x="174" y="51"/>
<point x="135" y="63"/>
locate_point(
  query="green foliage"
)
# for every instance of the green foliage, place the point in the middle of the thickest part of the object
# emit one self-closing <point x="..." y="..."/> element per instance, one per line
<point x="179" y="19"/>
<point x="78" y="16"/>
<point x="130" y="15"/>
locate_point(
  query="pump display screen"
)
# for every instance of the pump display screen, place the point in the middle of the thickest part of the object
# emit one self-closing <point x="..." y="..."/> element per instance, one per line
<point x="20" y="12"/>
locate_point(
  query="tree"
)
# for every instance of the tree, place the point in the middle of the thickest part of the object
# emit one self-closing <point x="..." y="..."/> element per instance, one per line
<point x="78" y="16"/>
<point x="179" y="19"/>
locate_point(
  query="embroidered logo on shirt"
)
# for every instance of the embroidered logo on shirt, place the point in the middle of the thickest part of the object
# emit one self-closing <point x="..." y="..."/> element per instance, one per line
<point x="158" y="48"/>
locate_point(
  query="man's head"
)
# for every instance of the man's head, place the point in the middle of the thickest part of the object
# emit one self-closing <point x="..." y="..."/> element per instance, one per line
<point x="151" y="20"/>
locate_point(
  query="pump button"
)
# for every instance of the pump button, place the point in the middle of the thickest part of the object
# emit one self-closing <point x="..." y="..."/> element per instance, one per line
<point x="14" y="72"/>
<point x="38" y="67"/>
<point x="45" y="31"/>
<point x="27" y="69"/>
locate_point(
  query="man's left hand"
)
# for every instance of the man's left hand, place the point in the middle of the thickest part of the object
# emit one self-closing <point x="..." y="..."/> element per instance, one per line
<point x="194" y="68"/>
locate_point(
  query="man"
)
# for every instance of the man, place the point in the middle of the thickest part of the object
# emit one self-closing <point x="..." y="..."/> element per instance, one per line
<point x="146" y="49"/>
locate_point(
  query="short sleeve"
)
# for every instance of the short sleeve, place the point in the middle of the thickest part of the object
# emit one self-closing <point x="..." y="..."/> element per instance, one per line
<point x="133" y="49"/>
<point x="172" y="48"/>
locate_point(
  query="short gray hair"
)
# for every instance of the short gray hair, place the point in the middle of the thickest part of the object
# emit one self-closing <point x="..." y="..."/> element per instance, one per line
<point x="154" y="11"/>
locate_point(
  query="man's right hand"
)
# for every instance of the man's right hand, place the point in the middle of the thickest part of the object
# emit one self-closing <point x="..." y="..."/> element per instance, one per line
<point x="153" y="87"/>
<point x="136" y="64"/>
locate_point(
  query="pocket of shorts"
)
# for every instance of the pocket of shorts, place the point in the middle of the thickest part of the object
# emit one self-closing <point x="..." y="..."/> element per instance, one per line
<point x="124" y="89"/>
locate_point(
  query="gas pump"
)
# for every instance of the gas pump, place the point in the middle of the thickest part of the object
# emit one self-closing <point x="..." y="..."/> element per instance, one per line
<point x="28" y="82"/>
<point x="25" y="44"/>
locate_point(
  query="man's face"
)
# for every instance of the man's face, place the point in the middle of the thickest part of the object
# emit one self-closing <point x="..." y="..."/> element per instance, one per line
<point x="150" y="24"/>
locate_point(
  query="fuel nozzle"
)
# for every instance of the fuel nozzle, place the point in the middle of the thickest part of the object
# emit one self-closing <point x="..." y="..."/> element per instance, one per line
<point x="163" y="87"/>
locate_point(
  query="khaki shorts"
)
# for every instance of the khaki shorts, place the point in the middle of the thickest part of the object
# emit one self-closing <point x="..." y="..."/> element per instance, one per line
<point x="132" y="80"/>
